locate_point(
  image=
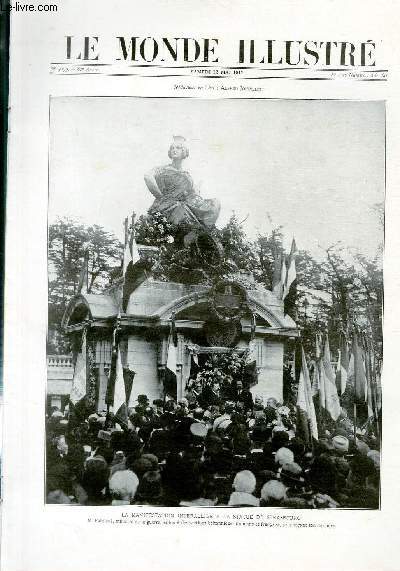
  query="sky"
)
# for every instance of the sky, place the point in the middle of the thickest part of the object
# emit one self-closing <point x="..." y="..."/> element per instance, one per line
<point x="315" y="167"/>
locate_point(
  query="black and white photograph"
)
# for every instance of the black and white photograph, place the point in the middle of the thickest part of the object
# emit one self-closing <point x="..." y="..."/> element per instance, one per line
<point x="215" y="300"/>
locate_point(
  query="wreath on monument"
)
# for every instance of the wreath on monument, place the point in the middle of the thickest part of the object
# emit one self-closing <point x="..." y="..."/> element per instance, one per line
<point x="228" y="301"/>
<point x="220" y="373"/>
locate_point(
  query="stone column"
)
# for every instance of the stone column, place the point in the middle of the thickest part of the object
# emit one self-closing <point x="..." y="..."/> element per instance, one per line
<point x="270" y="369"/>
<point x="142" y="358"/>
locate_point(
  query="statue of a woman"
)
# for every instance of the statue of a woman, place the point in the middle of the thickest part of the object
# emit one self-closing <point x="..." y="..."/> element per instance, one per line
<point x="175" y="194"/>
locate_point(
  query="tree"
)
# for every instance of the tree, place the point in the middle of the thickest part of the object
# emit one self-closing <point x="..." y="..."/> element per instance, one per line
<point x="67" y="242"/>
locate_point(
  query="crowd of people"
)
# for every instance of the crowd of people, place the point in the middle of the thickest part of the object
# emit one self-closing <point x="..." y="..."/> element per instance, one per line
<point x="236" y="454"/>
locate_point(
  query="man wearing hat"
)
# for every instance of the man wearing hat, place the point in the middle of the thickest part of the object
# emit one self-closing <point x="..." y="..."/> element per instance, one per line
<point x="340" y="445"/>
<point x="273" y="494"/>
<point x="225" y="417"/>
<point x="244" y="396"/>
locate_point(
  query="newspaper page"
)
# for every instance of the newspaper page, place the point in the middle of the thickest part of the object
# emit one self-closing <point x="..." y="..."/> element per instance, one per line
<point x="198" y="196"/>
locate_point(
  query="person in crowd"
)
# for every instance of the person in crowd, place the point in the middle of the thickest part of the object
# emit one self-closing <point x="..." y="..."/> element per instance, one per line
<point x="227" y="453"/>
<point x="150" y="491"/>
<point x="244" y="485"/>
<point x="123" y="485"/>
<point x="273" y="494"/>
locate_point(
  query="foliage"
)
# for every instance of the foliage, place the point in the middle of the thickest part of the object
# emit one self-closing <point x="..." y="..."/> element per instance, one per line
<point x="221" y="372"/>
<point x="269" y="249"/>
<point x="154" y="230"/>
<point x="334" y="294"/>
<point x="238" y="250"/>
<point x="67" y="241"/>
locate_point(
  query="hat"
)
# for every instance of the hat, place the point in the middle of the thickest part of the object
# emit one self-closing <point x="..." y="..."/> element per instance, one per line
<point x="153" y="459"/>
<point x="57" y="497"/>
<point x="243" y="499"/>
<point x="361" y="467"/>
<point x="278" y="428"/>
<point x="245" y="481"/>
<point x="94" y="463"/>
<point x="279" y="440"/>
<point x="123" y="484"/>
<point x="362" y="447"/>
<point x="273" y="490"/>
<point x="340" y="444"/>
<point x="104" y="435"/>
<point x="62" y="446"/>
<point x="325" y="445"/>
<point x="178" y="139"/>
<point x="340" y="432"/>
<point x="198" y="413"/>
<point x="142" y="399"/>
<point x="284" y="456"/>
<point x="375" y="457"/>
<point x="150" y="487"/>
<point x="223" y="425"/>
<point x="141" y="465"/>
<point x="291" y="472"/>
<point x="198" y="429"/>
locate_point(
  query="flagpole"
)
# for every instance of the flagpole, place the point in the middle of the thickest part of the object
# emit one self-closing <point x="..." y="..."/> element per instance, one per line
<point x="87" y="270"/>
<point x="114" y="345"/>
<point x="311" y="436"/>
<point x="355" y="423"/>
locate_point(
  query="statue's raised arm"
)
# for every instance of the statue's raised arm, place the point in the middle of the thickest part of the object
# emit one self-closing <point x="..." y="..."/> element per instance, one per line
<point x="175" y="194"/>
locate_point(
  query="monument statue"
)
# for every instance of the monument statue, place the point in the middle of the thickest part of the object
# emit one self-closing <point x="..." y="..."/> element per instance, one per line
<point x="175" y="193"/>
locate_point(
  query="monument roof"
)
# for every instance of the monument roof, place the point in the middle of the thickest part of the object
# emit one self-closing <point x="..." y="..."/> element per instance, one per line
<point x="159" y="301"/>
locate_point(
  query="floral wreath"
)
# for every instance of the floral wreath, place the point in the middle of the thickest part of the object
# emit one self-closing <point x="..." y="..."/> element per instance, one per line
<point x="226" y="314"/>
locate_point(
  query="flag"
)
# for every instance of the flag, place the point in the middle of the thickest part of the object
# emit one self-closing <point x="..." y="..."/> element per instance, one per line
<point x="291" y="269"/>
<point x="290" y="288"/>
<point x="304" y="397"/>
<point x="172" y="348"/>
<point x="370" y="376"/>
<point x="276" y="278"/>
<point x="358" y="372"/>
<point x="315" y="379"/>
<point x="343" y="366"/>
<point x="83" y="277"/>
<point x="194" y="366"/>
<point x="129" y="375"/>
<point x="120" y="397"/>
<point x="78" y="390"/>
<point x="316" y="369"/>
<point x="250" y="374"/>
<point x="378" y="389"/>
<point x="321" y="381"/>
<point x="330" y="400"/>
<point x="280" y="276"/>
<point x="113" y="365"/>
<point x="131" y="257"/>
